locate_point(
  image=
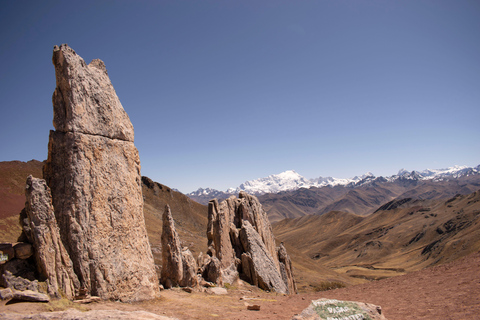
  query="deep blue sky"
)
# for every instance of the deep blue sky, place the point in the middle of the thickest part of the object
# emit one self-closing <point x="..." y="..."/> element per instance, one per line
<point x="221" y="92"/>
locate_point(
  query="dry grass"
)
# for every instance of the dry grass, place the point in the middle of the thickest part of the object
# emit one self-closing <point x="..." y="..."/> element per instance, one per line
<point x="64" y="304"/>
<point x="386" y="243"/>
<point x="328" y="285"/>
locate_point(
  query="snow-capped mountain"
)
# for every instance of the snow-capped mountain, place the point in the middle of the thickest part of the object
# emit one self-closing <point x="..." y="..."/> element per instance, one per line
<point x="288" y="180"/>
<point x="210" y="193"/>
<point x="291" y="180"/>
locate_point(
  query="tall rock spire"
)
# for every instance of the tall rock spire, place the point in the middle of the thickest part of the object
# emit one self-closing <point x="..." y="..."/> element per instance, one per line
<point x="93" y="171"/>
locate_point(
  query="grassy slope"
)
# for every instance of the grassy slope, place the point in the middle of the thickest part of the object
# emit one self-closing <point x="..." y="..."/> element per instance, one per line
<point x="362" y="200"/>
<point x="388" y="242"/>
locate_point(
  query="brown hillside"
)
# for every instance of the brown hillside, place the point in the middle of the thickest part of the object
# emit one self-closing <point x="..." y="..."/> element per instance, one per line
<point x="294" y="204"/>
<point x="13" y="175"/>
<point x="364" y="199"/>
<point x="417" y="234"/>
<point x="190" y="218"/>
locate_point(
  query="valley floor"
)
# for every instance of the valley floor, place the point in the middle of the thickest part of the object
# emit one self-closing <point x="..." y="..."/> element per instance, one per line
<point x="450" y="291"/>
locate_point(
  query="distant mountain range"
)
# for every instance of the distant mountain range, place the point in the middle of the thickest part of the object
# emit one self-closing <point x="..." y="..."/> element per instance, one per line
<point x="291" y="181"/>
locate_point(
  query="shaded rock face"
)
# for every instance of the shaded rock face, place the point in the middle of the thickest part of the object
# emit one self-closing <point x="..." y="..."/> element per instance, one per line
<point x="240" y="237"/>
<point x="18" y="283"/>
<point x="179" y="267"/>
<point x="93" y="171"/>
<point x="286" y="269"/>
<point x="52" y="260"/>
<point x="258" y="264"/>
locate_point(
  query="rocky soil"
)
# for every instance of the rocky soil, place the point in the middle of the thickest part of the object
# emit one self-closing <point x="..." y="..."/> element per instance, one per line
<point x="450" y="291"/>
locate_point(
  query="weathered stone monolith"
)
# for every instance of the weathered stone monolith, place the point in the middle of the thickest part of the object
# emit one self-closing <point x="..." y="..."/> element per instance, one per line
<point x="52" y="260"/>
<point x="179" y="267"/>
<point x="93" y="171"/>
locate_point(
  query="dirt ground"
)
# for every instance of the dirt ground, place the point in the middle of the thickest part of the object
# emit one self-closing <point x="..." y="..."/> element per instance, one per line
<point x="450" y="291"/>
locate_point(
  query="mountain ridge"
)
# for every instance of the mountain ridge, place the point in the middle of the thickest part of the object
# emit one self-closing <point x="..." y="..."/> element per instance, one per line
<point x="290" y="180"/>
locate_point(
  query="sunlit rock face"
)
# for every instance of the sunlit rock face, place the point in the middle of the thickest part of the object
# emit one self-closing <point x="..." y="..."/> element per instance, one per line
<point x="240" y="237"/>
<point x="93" y="171"/>
<point x="52" y="260"/>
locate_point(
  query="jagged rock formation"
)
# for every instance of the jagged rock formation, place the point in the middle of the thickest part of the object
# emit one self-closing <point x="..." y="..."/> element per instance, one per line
<point x="258" y="265"/>
<point x="240" y="237"/>
<point x="179" y="267"/>
<point x="93" y="171"/>
<point x="52" y="260"/>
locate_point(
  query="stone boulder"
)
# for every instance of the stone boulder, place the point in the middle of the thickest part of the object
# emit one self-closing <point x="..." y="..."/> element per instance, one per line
<point x="52" y="260"/>
<point x="179" y="267"/>
<point x="326" y="309"/>
<point x="30" y="296"/>
<point x="18" y="273"/>
<point x="23" y="250"/>
<point x="240" y="236"/>
<point x="93" y="171"/>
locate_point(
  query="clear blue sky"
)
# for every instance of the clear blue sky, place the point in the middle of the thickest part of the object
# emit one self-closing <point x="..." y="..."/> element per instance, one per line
<point x="221" y="92"/>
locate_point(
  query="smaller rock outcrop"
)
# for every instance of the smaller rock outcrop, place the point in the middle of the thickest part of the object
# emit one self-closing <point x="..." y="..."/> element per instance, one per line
<point x="52" y="260"/>
<point x="19" y="273"/>
<point x="18" y="283"/>
<point x="240" y="238"/>
<point x="179" y="267"/>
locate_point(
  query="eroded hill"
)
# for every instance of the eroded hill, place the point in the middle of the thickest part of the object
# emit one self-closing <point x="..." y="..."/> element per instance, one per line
<point x="403" y="236"/>
<point x="364" y="199"/>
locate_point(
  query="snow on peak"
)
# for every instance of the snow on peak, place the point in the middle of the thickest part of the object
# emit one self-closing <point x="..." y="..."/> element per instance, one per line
<point x="437" y="174"/>
<point x="288" y="175"/>
<point x="287" y="180"/>
<point x="291" y="180"/>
